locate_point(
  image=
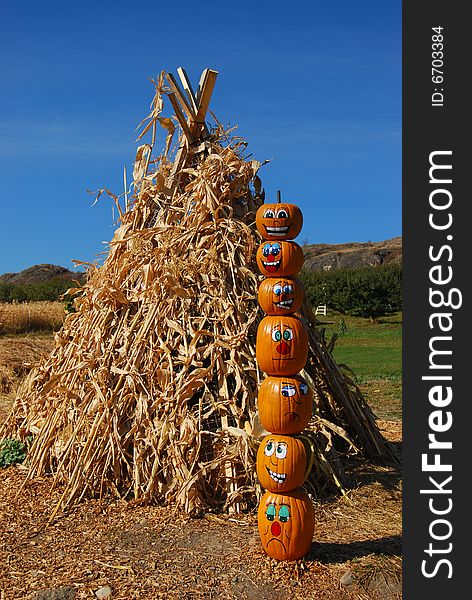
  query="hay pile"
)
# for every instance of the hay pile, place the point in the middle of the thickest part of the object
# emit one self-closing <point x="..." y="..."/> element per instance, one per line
<point x="150" y="391"/>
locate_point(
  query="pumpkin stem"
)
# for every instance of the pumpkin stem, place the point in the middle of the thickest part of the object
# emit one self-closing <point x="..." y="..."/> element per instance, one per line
<point x="279" y="197"/>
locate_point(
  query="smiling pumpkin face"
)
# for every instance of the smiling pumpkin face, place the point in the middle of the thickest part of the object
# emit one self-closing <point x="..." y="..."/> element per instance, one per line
<point x="281" y="221"/>
<point x="286" y="523"/>
<point x="284" y="404"/>
<point x="280" y="296"/>
<point x="281" y="345"/>
<point x="283" y="259"/>
<point x="281" y="463"/>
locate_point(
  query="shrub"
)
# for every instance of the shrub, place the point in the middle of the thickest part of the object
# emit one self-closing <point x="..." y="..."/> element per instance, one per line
<point x="34" y="292"/>
<point x="12" y="452"/>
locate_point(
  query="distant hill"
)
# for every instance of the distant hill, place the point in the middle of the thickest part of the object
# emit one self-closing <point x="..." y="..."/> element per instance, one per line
<point x="352" y="255"/>
<point x="40" y="274"/>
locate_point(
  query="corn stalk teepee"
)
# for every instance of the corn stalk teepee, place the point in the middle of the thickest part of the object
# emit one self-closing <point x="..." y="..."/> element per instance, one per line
<point x="150" y="391"/>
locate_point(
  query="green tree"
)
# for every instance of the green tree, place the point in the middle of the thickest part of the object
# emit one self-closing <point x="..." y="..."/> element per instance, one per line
<point x="366" y="292"/>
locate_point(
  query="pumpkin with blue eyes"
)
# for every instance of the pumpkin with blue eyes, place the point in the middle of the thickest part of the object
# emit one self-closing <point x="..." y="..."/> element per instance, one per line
<point x="286" y="524"/>
<point x="284" y="404"/>
<point x="281" y="463"/>
<point x="284" y="259"/>
<point x="281" y="345"/>
<point x="280" y="296"/>
<point x="281" y="221"/>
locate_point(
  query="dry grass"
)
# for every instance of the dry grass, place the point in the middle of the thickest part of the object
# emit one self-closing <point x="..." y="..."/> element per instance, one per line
<point x="18" y="355"/>
<point x="30" y="316"/>
<point x="7" y="380"/>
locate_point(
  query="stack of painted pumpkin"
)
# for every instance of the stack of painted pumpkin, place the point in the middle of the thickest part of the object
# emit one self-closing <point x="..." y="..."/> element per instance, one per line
<point x="285" y="516"/>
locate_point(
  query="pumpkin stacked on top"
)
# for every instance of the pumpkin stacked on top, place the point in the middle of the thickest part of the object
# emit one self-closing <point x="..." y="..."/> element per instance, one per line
<point x="285" y="516"/>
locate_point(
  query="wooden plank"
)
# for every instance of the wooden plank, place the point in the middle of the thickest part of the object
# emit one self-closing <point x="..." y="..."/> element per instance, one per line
<point x="205" y="93"/>
<point x="206" y="87"/>
<point x="188" y="88"/>
<point x="192" y="134"/>
<point x="191" y="113"/>
<point x="190" y="93"/>
<point x="201" y="85"/>
<point x="181" y="117"/>
<point x="179" y="163"/>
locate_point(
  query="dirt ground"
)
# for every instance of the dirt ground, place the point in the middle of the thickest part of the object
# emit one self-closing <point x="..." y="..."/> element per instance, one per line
<point x="115" y="550"/>
<point x="152" y="552"/>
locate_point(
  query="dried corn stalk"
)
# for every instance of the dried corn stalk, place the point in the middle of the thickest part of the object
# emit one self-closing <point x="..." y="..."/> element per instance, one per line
<point x="150" y="392"/>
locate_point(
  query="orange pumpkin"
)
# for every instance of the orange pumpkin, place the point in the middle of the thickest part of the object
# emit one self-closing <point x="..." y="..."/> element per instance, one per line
<point x="281" y="463"/>
<point x="283" y="259"/>
<point x="281" y="345"/>
<point x="280" y="296"/>
<point x="281" y="221"/>
<point x="285" y="404"/>
<point x="286" y="524"/>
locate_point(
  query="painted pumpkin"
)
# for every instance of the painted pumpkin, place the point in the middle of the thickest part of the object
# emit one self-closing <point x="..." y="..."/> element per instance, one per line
<point x="286" y="524"/>
<point x="281" y="221"/>
<point x="284" y="259"/>
<point x="280" y="296"/>
<point x="284" y="404"/>
<point x="281" y="345"/>
<point x="281" y="463"/>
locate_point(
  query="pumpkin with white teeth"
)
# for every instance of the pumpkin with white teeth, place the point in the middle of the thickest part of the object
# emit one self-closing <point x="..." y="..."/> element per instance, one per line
<point x="281" y="463"/>
<point x="280" y="296"/>
<point x="283" y="259"/>
<point x="281" y="221"/>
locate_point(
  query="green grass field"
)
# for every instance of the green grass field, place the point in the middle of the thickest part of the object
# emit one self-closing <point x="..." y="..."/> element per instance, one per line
<point x="373" y="352"/>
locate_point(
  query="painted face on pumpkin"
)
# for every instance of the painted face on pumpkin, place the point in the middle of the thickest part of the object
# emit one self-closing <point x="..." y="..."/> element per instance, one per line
<point x="294" y="394"/>
<point x="283" y="294"/>
<point x="279" y="221"/>
<point x="284" y="404"/>
<point x="276" y="222"/>
<point x="282" y="335"/>
<point x="281" y="462"/>
<point x="275" y="452"/>
<point x="281" y="345"/>
<point x="283" y="259"/>
<point x="277" y="515"/>
<point x="286" y="524"/>
<point x="272" y="257"/>
<point x="280" y="296"/>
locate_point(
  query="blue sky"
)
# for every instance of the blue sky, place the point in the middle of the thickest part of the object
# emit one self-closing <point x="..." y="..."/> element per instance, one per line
<point x="315" y="86"/>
